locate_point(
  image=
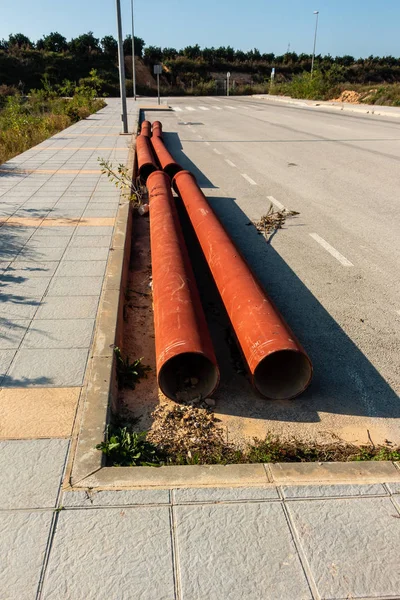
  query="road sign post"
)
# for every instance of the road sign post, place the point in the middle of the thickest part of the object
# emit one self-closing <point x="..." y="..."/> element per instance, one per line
<point x="157" y="71"/>
<point x="228" y="76"/>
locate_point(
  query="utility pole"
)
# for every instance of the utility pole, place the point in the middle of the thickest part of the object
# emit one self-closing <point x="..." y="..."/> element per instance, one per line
<point x="133" y="55"/>
<point x="316" y="12"/>
<point x="124" y="115"/>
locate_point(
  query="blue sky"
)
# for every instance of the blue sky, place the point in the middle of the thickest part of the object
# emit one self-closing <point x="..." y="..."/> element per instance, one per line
<point x="356" y="27"/>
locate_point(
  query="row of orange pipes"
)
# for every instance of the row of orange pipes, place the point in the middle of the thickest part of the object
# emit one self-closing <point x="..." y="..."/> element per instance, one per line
<point x="278" y="365"/>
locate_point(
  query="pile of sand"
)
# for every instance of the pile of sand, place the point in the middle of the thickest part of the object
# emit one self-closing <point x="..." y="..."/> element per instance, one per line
<point x="349" y="96"/>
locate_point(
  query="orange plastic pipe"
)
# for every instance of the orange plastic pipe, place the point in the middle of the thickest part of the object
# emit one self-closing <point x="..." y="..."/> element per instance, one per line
<point x="157" y="129"/>
<point x="186" y="362"/>
<point x="167" y="162"/>
<point x="145" y="158"/>
<point x="146" y="128"/>
<point x="279" y="367"/>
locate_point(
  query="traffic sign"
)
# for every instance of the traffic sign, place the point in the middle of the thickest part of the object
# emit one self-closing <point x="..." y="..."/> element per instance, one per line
<point x="157" y="69"/>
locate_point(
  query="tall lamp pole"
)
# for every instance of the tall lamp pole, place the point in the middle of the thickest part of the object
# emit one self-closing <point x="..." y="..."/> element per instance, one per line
<point x="124" y="115"/>
<point x="133" y="55"/>
<point x="316" y="12"/>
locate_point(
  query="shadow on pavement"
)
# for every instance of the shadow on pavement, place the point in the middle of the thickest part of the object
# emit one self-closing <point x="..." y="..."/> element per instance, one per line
<point x="174" y="145"/>
<point x="345" y="382"/>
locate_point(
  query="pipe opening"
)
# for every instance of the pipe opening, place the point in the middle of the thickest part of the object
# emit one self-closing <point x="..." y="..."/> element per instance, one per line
<point x="172" y="169"/>
<point x="188" y="376"/>
<point x="283" y="375"/>
<point x="146" y="170"/>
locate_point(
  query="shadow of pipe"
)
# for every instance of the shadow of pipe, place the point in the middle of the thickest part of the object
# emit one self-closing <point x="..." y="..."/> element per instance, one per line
<point x="345" y="382"/>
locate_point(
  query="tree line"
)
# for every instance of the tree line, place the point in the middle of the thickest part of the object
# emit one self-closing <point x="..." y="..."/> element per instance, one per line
<point x="52" y="58"/>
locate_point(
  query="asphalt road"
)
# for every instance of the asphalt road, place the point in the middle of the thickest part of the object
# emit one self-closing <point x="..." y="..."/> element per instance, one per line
<point x="333" y="271"/>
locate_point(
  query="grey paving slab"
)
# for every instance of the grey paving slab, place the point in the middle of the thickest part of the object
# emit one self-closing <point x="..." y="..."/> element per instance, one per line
<point x="394" y="487"/>
<point x="11" y="332"/>
<point x="59" y="333"/>
<point x="93" y="212"/>
<point x="98" y="241"/>
<point x="92" y="254"/>
<point x="115" y="498"/>
<point x="47" y="368"/>
<point x="48" y="241"/>
<point x="238" y="551"/>
<point x="66" y="231"/>
<point x="23" y="285"/>
<point x="30" y="472"/>
<point x="326" y="491"/>
<point x="85" y="230"/>
<point x="6" y="357"/>
<point x="41" y="254"/>
<point x="184" y="495"/>
<point x="20" y="268"/>
<point x="351" y="545"/>
<point x="23" y="540"/>
<point x="73" y="307"/>
<point x="75" y="286"/>
<point x="18" y="307"/>
<point x="81" y="268"/>
<point x="119" y="553"/>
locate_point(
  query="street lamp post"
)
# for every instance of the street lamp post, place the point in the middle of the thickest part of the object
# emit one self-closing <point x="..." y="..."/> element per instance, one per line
<point x="124" y="115"/>
<point x="316" y="12"/>
<point x="133" y="55"/>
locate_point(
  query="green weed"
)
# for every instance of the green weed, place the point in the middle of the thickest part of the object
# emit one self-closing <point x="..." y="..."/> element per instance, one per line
<point x="125" y="448"/>
<point x="129" y="374"/>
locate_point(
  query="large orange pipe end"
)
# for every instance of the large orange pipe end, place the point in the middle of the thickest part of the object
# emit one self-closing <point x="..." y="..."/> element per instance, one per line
<point x="186" y="363"/>
<point x="279" y="367"/>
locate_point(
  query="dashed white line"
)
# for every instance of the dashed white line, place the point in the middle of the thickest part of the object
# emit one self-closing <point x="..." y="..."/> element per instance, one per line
<point x="207" y="143"/>
<point x="276" y="203"/>
<point x="232" y="107"/>
<point x="230" y="163"/>
<point x="189" y="108"/>
<point x="249" y="179"/>
<point x="203" y="108"/>
<point x="342" y="259"/>
<point x="216" y="151"/>
<point x="177" y="108"/>
<point x="199" y="136"/>
<point x="217" y="107"/>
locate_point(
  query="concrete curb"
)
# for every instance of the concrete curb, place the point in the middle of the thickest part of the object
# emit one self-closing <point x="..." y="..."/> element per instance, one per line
<point x="341" y="106"/>
<point x="86" y="469"/>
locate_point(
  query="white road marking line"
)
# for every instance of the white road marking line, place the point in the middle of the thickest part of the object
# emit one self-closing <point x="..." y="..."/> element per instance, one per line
<point x="232" y="107"/>
<point x="189" y="108"/>
<point x="342" y="259"/>
<point x="217" y="100"/>
<point x="203" y="108"/>
<point x="199" y="136"/>
<point x="207" y="143"/>
<point x="177" y="108"/>
<point x="276" y="203"/>
<point x="249" y="179"/>
<point x="230" y="163"/>
<point x="217" y="107"/>
<point x="217" y="151"/>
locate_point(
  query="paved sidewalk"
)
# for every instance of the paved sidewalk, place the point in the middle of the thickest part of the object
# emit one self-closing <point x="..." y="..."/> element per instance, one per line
<point x="255" y="543"/>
